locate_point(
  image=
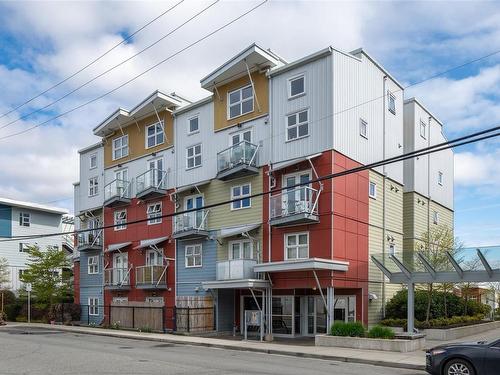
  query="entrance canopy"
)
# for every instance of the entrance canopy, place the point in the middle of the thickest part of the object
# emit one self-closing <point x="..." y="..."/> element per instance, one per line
<point x="236" y="284"/>
<point x="310" y="264"/>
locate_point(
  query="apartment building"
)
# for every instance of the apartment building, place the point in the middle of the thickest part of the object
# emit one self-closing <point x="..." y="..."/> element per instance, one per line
<point x="18" y="218"/>
<point x="301" y="254"/>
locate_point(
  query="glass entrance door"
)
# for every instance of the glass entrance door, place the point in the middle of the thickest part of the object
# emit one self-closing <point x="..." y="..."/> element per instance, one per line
<point x="314" y="316"/>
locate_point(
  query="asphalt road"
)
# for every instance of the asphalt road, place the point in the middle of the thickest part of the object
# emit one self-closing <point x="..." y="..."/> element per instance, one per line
<point x="39" y="351"/>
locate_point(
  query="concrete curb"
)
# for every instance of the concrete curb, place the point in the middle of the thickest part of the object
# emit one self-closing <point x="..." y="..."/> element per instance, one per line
<point x="146" y="337"/>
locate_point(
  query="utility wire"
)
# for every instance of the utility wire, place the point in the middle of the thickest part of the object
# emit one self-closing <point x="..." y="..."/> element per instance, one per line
<point x="91" y="62"/>
<point x="140" y="74"/>
<point x="461" y="141"/>
<point x="110" y="69"/>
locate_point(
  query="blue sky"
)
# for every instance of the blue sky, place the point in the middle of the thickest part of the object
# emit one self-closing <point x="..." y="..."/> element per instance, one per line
<point x="43" y="42"/>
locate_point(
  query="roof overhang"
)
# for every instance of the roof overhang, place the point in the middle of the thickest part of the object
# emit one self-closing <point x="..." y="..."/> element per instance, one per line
<point x="236" y="284"/>
<point x="311" y="264"/>
<point x="254" y="56"/>
<point x="117" y="246"/>
<point x="150" y="243"/>
<point x="33" y="206"/>
<point x="284" y="164"/>
<point x="234" y="231"/>
<point x="121" y="118"/>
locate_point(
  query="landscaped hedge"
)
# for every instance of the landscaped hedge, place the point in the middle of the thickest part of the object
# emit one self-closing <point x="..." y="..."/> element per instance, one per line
<point x="356" y="329"/>
<point x="454" y="321"/>
<point x="379" y="332"/>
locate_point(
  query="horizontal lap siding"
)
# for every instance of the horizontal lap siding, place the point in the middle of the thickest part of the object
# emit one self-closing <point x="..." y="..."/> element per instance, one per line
<point x="90" y="286"/>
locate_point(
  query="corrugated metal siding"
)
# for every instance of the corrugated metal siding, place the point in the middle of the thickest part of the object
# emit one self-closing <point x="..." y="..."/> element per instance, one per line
<point x="83" y="202"/>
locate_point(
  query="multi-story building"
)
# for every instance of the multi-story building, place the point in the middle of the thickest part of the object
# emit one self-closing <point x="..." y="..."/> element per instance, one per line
<point x="19" y="218"/>
<point x="301" y="253"/>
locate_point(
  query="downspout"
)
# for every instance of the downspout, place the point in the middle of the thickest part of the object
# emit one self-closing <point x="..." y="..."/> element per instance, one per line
<point x="384" y="191"/>
<point x="271" y="154"/>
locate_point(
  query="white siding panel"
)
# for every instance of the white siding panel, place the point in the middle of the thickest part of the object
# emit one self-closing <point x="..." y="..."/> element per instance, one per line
<point x="83" y="202"/>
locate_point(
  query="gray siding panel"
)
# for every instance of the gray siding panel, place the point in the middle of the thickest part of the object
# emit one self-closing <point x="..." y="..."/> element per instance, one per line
<point x="90" y="286"/>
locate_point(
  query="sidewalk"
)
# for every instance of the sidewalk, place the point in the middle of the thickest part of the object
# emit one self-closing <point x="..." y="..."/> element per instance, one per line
<point x="413" y="360"/>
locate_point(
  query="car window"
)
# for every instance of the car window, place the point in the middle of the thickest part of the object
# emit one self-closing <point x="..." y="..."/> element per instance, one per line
<point x="495" y="345"/>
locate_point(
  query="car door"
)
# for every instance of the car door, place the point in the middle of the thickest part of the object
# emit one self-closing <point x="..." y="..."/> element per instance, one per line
<point x="492" y="359"/>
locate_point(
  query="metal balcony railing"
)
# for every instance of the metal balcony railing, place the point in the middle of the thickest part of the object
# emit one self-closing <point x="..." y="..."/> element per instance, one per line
<point x="301" y="200"/>
<point x="151" y="275"/>
<point x="153" y="178"/>
<point x="235" y="269"/>
<point x="241" y="153"/>
<point x="117" y="276"/>
<point x="89" y="239"/>
<point x="117" y="188"/>
<point x="196" y="220"/>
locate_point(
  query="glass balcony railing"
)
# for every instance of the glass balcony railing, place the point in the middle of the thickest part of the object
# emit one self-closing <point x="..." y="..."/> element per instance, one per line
<point x="117" y="188"/>
<point x="88" y="239"/>
<point x="151" y="276"/>
<point x="301" y="200"/>
<point x="235" y="269"/>
<point x="195" y="220"/>
<point x="117" y="277"/>
<point x="241" y="153"/>
<point x="153" y="178"/>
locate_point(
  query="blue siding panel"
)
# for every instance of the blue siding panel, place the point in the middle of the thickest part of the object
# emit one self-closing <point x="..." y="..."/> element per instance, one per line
<point x="91" y="286"/>
<point x="188" y="279"/>
<point x="5" y="221"/>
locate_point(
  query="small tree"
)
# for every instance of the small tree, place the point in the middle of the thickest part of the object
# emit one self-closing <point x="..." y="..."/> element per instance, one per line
<point x="44" y="272"/>
<point x="4" y="272"/>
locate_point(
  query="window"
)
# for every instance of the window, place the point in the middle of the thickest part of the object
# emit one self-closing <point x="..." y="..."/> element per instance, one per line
<point x="297" y="246"/>
<point x="194" y="125"/>
<point x="120" y="147"/>
<point x="245" y="135"/>
<point x="154" y="299"/>
<point x="297" y="125"/>
<point x="93" y="161"/>
<point x="193" y="156"/>
<point x="241" y="191"/>
<point x="121" y="220"/>
<point x="20" y="274"/>
<point x="120" y="299"/>
<point x="392" y="249"/>
<point x="93" y="306"/>
<point x="193" y="256"/>
<point x="423" y="129"/>
<point x="93" y="186"/>
<point x="372" y="190"/>
<point x="24" y="219"/>
<point x="440" y="178"/>
<point x="23" y="247"/>
<point x="154" y="135"/>
<point x="240" y="102"/>
<point x="93" y="265"/>
<point x="296" y="86"/>
<point x="391" y="102"/>
<point x="435" y="217"/>
<point x="154" y="213"/>
<point x="241" y="250"/>
<point x="363" y="128"/>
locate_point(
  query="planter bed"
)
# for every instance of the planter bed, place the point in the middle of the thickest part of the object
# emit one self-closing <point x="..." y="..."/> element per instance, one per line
<point x="452" y="333"/>
<point x="391" y="345"/>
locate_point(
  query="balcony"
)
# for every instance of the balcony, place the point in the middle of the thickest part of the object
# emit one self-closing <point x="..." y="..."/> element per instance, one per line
<point x="191" y="225"/>
<point x="237" y="161"/>
<point x="151" y="184"/>
<point x="236" y="269"/>
<point x="91" y="240"/>
<point x="294" y="207"/>
<point x="117" y="278"/>
<point x="116" y="193"/>
<point x="151" y="277"/>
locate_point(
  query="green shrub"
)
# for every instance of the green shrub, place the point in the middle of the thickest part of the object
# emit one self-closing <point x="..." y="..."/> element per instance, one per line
<point x="394" y="322"/>
<point x="350" y="329"/>
<point x="145" y="329"/>
<point x="379" y="332"/>
<point x="435" y="323"/>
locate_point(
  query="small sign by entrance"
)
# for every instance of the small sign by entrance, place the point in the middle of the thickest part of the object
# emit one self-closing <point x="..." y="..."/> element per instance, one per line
<point x="28" y="287"/>
<point x="253" y="318"/>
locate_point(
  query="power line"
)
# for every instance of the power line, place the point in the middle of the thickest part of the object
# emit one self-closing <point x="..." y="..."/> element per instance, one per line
<point x="110" y="69"/>
<point x="461" y="141"/>
<point x="91" y="62"/>
<point x="139" y="75"/>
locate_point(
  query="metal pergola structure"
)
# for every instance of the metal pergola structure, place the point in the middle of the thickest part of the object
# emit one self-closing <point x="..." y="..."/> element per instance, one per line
<point x="467" y="265"/>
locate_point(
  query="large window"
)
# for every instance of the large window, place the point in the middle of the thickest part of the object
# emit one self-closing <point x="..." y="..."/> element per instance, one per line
<point x="93" y="306"/>
<point x="154" y="213"/>
<point x="297" y="246"/>
<point x="297" y="125"/>
<point x="24" y="219"/>
<point x="240" y="102"/>
<point x="243" y="192"/>
<point x="93" y="186"/>
<point x="120" y="147"/>
<point x="120" y="220"/>
<point x="154" y="135"/>
<point x="193" y="156"/>
<point x="194" y="125"/>
<point x="296" y="86"/>
<point x="93" y="161"/>
<point x="93" y="265"/>
<point x="193" y="256"/>
<point x="241" y="249"/>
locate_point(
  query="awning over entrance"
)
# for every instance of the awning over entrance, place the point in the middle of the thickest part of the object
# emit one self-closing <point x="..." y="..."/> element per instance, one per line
<point x="284" y="164"/>
<point x="150" y="242"/>
<point x="234" y="231"/>
<point x="311" y="264"/>
<point x="117" y="246"/>
<point x="236" y="284"/>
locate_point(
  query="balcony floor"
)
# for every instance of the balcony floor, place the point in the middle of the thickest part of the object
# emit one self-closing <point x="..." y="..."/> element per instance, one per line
<point x="89" y="247"/>
<point x="151" y="193"/>
<point x="241" y="170"/>
<point x="151" y="286"/>
<point x="117" y="201"/>
<point x="117" y="287"/>
<point x="190" y="234"/>
<point x="296" y="219"/>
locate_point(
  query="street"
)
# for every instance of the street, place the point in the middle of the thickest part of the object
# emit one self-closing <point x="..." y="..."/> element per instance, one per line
<point x="39" y="351"/>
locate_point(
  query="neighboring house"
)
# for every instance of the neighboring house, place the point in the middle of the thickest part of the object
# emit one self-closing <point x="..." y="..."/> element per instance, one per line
<point x="486" y="296"/>
<point x="302" y="255"/>
<point x="19" y="218"/>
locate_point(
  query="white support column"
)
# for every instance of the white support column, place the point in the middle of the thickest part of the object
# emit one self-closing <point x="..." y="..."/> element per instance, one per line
<point x="411" y="308"/>
<point x="330" y="299"/>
